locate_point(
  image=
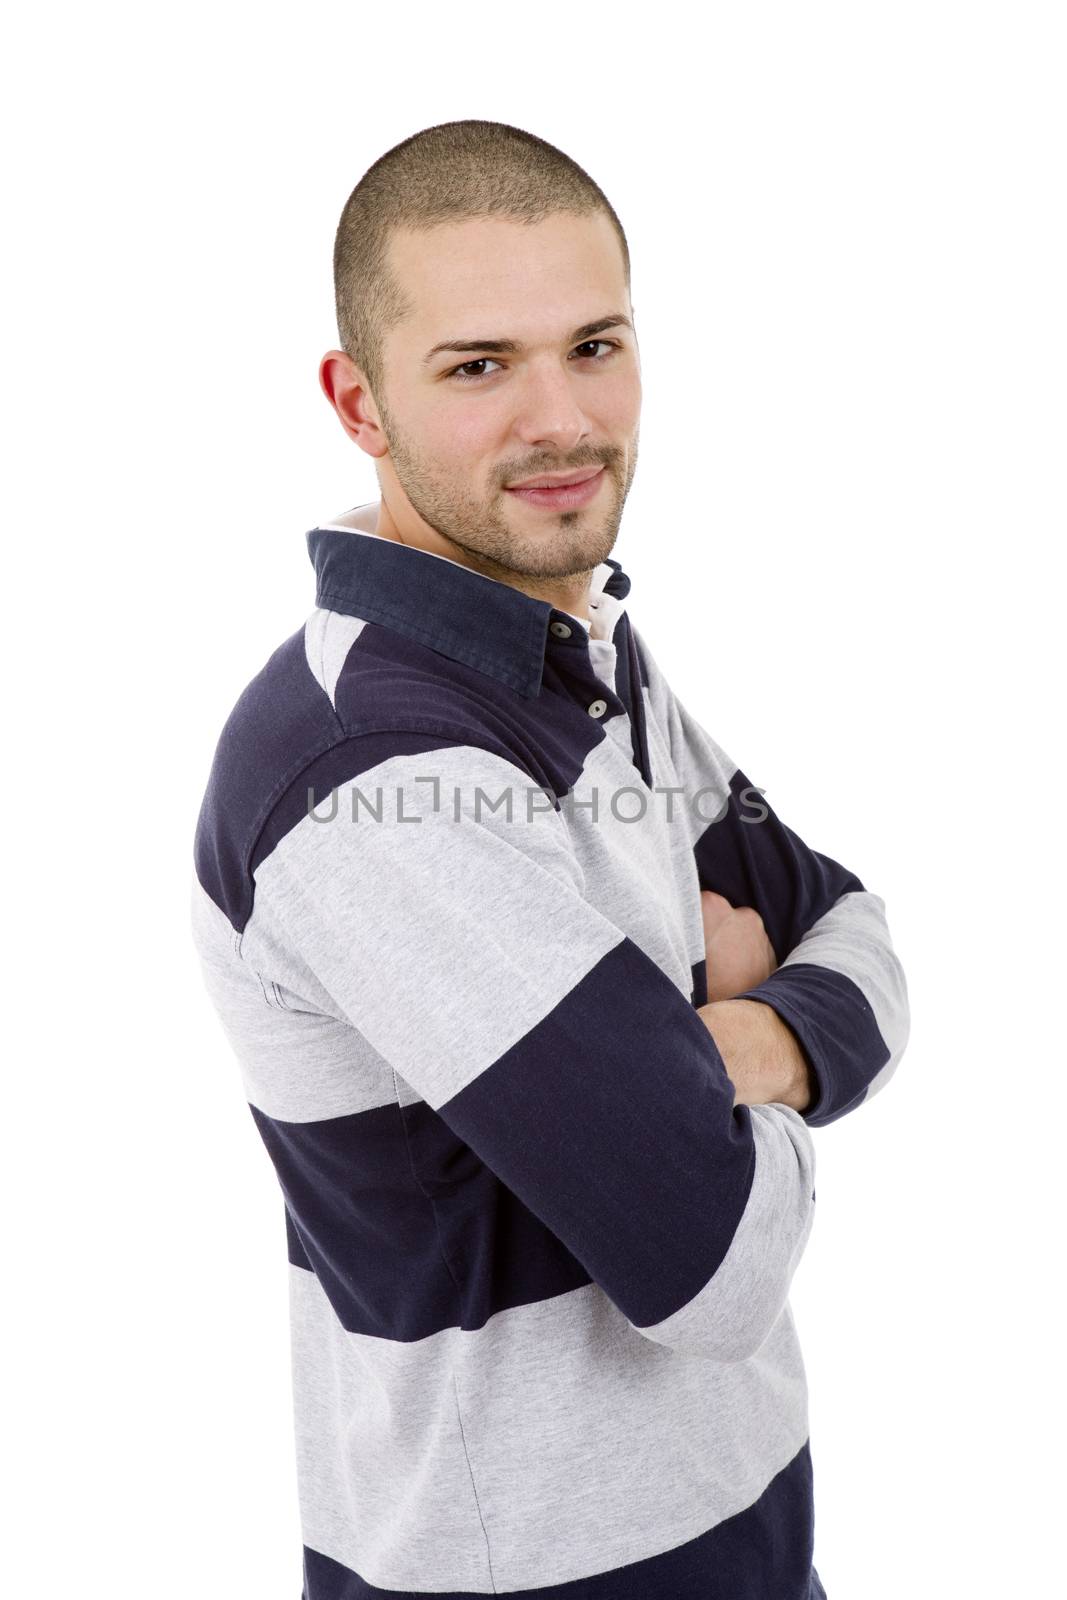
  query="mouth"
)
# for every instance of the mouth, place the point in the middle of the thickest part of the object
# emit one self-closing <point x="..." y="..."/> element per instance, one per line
<point x="578" y="491"/>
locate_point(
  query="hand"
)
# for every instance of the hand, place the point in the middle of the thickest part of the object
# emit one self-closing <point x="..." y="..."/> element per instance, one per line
<point x="762" y="1056"/>
<point x="738" y="952"/>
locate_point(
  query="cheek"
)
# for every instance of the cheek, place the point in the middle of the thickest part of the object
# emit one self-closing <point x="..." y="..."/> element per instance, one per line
<point x="463" y="435"/>
<point x="621" y="408"/>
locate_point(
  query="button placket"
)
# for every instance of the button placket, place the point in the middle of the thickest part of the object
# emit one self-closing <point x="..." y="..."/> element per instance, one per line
<point x="594" y="708"/>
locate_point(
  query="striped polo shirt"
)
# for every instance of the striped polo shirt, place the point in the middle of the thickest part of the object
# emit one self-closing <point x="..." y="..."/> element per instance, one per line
<point x="447" y="903"/>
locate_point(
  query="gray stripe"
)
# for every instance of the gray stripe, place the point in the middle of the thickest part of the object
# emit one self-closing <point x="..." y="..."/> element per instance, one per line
<point x="328" y="637"/>
<point x="412" y="1456"/>
<point x="295" y="1064"/>
<point x="735" y="1311"/>
<point x="639" y="873"/>
<point x="853" y="939"/>
<point x="333" y="882"/>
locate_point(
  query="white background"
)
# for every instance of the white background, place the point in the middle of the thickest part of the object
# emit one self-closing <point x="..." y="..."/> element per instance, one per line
<point x="845" y="538"/>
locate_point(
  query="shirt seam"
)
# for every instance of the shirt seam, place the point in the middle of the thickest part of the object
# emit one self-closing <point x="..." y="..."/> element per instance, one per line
<point x="455" y="1277"/>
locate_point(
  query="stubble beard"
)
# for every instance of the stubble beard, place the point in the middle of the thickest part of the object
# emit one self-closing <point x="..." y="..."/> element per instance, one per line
<point x="566" y="544"/>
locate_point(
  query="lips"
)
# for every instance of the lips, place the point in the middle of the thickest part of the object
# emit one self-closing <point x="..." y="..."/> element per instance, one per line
<point x="550" y="482"/>
<point x="580" y="490"/>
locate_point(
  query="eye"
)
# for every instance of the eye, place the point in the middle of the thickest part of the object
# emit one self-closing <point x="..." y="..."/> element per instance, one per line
<point x="591" y="344"/>
<point x="469" y="377"/>
<point x="461" y="375"/>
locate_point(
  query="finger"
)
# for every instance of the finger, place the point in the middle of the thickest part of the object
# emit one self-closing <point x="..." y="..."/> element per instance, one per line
<point x="715" y="910"/>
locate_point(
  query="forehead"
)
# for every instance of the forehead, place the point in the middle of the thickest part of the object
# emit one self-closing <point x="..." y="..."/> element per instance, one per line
<point x="492" y="275"/>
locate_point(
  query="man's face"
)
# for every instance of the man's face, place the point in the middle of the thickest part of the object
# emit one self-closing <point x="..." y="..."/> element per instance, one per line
<point x="463" y="424"/>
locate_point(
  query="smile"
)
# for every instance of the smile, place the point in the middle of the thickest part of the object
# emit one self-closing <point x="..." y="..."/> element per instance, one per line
<point x="563" y="498"/>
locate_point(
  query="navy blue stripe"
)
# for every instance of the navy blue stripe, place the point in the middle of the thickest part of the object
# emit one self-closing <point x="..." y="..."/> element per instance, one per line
<point x="762" y="1553"/>
<point x="628" y="675"/>
<point x="389" y="681"/>
<point x="747" y="854"/>
<point x="836" y="1026"/>
<point x="642" y="668"/>
<point x="279" y="723"/>
<point x="387" y="677"/>
<point x="579" y="1134"/>
<point x="406" y="1229"/>
<point x="298" y="1256"/>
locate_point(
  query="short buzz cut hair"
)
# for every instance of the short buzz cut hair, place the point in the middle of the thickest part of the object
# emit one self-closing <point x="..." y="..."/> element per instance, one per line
<point x="446" y="173"/>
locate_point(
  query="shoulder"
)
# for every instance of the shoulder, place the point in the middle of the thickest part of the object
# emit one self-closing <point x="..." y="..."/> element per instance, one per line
<point x="297" y="733"/>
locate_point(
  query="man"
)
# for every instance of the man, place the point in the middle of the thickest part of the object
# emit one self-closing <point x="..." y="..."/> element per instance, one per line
<point x="535" y="999"/>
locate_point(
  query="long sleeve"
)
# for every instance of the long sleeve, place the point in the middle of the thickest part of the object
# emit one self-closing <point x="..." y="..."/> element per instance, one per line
<point x="839" y="983"/>
<point x="466" y="952"/>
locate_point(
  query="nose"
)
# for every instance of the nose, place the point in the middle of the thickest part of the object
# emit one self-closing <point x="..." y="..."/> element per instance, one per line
<point x="549" y="411"/>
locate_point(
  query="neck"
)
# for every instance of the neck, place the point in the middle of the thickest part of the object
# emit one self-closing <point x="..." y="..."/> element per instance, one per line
<point x="566" y="594"/>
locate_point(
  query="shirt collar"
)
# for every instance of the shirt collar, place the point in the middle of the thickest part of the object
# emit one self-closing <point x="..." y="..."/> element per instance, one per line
<point x="438" y="602"/>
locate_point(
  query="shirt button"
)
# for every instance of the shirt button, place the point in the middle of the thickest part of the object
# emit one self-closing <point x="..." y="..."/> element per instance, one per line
<point x="598" y="708"/>
<point x="560" y="629"/>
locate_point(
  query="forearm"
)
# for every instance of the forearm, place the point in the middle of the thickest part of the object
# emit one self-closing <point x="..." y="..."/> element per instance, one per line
<point x="763" y="1058"/>
<point x="841" y="991"/>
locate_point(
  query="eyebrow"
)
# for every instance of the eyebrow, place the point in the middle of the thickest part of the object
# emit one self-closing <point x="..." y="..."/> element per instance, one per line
<point x="512" y="347"/>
